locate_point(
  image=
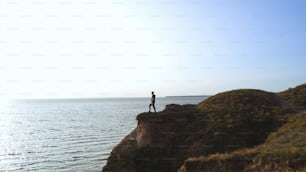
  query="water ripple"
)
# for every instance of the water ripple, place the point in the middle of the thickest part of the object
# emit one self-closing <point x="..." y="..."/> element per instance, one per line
<point x="67" y="135"/>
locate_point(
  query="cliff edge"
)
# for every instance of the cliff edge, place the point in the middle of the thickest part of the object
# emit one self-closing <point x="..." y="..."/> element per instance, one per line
<point x="226" y="131"/>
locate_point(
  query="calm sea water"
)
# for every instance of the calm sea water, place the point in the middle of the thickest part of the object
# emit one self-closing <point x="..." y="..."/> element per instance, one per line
<point x="68" y="135"/>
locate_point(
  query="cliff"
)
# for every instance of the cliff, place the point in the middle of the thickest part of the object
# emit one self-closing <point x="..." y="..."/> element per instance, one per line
<point x="230" y="131"/>
<point x="154" y="144"/>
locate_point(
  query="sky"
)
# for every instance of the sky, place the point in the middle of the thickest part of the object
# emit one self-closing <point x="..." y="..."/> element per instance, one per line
<point x="119" y="48"/>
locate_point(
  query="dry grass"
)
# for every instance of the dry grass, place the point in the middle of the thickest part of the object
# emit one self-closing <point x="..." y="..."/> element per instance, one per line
<point x="296" y="97"/>
<point x="283" y="150"/>
<point x="238" y="119"/>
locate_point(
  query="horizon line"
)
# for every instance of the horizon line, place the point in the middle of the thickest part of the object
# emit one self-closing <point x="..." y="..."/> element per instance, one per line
<point x="83" y="98"/>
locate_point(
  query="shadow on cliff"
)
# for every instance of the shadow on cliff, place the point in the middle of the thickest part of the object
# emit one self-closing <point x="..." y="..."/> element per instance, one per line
<point x="227" y="122"/>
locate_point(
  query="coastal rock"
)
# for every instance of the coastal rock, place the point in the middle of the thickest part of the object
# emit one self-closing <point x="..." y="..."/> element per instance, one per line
<point x="154" y="143"/>
<point x="196" y="138"/>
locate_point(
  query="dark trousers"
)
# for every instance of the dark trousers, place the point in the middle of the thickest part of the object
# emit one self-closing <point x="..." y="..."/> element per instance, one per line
<point x="152" y="104"/>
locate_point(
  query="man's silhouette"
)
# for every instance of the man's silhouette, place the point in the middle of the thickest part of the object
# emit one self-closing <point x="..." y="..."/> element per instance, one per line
<point x="152" y="103"/>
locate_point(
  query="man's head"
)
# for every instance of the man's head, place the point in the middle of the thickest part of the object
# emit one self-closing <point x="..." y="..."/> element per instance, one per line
<point x="152" y="92"/>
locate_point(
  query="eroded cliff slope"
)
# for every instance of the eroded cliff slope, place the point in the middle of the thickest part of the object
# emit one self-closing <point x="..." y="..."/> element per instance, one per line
<point x="235" y="121"/>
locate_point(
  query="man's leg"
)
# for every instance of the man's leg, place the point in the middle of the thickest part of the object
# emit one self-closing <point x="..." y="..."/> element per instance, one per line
<point x="154" y="108"/>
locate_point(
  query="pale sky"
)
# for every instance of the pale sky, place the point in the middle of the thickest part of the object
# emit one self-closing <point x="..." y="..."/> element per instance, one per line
<point x="119" y="48"/>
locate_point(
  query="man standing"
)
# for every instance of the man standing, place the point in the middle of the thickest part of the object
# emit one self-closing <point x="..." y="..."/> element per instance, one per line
<point x="152" y="103"/>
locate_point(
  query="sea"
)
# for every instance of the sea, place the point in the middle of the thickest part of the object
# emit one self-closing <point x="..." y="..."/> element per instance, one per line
<point x="69" y="134"/>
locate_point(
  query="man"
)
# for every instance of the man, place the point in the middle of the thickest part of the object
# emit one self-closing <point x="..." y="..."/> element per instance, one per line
<point x="152" y="103"/>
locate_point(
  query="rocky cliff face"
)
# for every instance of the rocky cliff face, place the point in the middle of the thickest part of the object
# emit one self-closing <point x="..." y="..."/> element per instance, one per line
<point x="154" y="144"/>
<point x="196" y="138"/>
